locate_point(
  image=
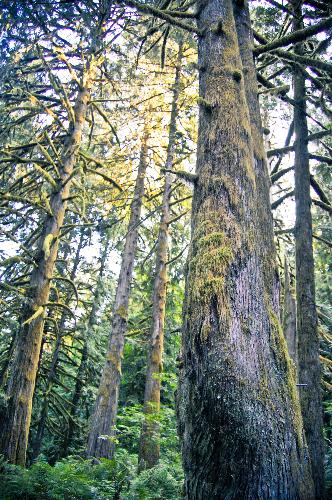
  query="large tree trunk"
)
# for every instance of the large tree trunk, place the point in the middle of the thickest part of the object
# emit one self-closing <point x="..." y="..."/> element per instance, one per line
<point x="239" y="415"/>
<point x="309" y="370"/>
<point x="16" y="421"/>
<point x="54" y="363"/>
<point x="149" y="441"/>
<point x="289" y="316"/>
<point x="82" y="369"/>
<point x="102" y="432"/>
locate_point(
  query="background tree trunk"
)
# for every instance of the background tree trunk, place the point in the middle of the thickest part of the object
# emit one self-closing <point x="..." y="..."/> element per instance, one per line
<point x="239" y="415"/>
<point x="149" y="441"/>
<point x="82" y="369"/>
<point x="102" y="433"/>
<point x="15" y="430"/>
<point x="309" y="370"/>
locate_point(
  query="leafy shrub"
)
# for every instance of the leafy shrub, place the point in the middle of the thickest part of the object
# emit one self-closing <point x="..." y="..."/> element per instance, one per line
<point x="159" y="483"/>
<point x="69" y="479"/>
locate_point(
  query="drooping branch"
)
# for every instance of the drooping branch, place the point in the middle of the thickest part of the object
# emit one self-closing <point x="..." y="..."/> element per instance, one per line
<point x="319" y="190"/>
<point x="295" y="36"/>
<point x="161" y="14"/>
<point x="321" y="158"/>
<point x="278" y="202"/>
<point x="280" y="6"/>
<point x="322" y="240"/>
<point x="322" y="205"/>
<point x="275" y="177"/>
<point x="304" y="60"/>
<point x="287" y="149"/>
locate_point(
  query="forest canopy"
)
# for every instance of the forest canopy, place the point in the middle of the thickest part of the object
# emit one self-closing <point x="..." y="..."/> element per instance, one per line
<point x="165" y="249"/>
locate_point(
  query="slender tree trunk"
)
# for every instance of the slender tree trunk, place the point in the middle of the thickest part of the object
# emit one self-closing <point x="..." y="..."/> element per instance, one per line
<point x="16" y="421"/>
<point x="309" y="370"/>
<point x="102" y="431"/>
<point x="54" y="364"/>
<point x="150" y="435"/>
<point x="81" y="372"/>
<point x="239" y="415"/>
<point x="289" y="316"/>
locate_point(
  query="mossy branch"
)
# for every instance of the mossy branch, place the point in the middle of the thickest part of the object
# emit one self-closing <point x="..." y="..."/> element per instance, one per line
<point x="105" y="117"/>
<point x="161" y="14"/>
<point x="280" y="90"/>
<point x="62" y="306"/>
<point x="24" y="201"/>
<point x="36" y="314"/>
<point x="106" y="178"/>
<point x="47" y="176"/>
<point x="14" y="260"/>
<point x="182" y="174"/>
<point x="295" y="37"/>
<point x="304" y="60"/>
<point x="71" y="283"/>
<point x="287" y="149"/>
<point x="326" y="361"/>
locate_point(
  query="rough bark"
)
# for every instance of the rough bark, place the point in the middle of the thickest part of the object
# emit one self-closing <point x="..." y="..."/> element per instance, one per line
<point x="16" y="421"/>
<point x="54" y="364"/>
<point x="309" y="370"/>
<point x="101" y="441"/>
<point x="82" y="369"/>
<point x="289" y="316"/>
<point x="239" y="415"/>
<point x="149" y="440"/>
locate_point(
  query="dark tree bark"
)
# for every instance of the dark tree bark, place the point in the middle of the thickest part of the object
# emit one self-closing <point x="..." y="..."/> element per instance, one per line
<point x="54" y="364"/>
<point x="149" y="441"/>
<point x="102" y="431"/>
<point x="16" y="421"/>
<point x="289" y="316"/>
<point x="239" y="415"/>
<point x="309" y="370"/>
<point x="82" y="369"/>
